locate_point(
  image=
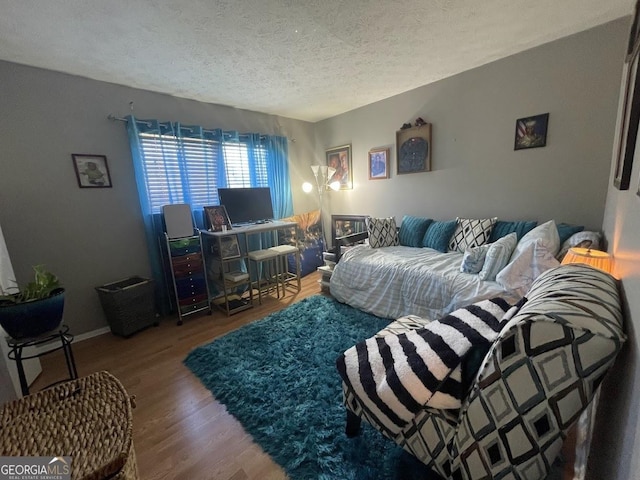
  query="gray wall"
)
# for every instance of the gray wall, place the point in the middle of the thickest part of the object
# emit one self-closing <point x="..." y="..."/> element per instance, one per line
<point x="475" y="171"/>
<point x="615" y="441"/>
<point x="89" y="237"/>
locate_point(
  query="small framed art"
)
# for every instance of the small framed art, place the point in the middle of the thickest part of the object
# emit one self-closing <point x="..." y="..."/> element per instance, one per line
<point x="413" y="149"/>
<point x="339" y="159"/>
<point x="92" y="171"/>
<point x="531" y="132"/>
<point x="378" y="163"/>
<point x="229" y="247"/>
<point x="217" y="219"/>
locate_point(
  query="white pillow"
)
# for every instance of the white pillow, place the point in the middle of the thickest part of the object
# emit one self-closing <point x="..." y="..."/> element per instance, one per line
<point x="498" y="256"/>
<point x="547" y="233"/>
<point x="584" y="239"/>
<point x="526" y="267"/>
<point x="473" y="259"/>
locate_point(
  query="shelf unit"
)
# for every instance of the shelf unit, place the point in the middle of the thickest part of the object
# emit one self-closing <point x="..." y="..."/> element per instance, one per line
<point x="228" y="271"/>
<point x="188" y="275"/>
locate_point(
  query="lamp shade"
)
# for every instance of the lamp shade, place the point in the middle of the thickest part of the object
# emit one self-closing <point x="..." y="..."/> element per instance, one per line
<point x="595" y="258"/>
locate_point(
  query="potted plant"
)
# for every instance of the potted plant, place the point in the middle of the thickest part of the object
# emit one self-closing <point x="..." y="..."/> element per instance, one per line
<point x="35" y="309"/>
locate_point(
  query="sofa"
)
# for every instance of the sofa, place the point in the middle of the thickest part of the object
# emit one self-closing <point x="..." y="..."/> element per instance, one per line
<point x="538" y="375"/>
<point x="429" y="268"/>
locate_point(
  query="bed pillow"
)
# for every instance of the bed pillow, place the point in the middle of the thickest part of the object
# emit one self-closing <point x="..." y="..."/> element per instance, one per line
<point x="526" y="267"/>
<point x="565" y="231"/>
<point x="473" y="259"/>
<point x="584" y="239"/>
<point x="471" y="233"/>
<point x="503" y="228"/>
<point x="412" y="230"/>
<point x="547" y="233"/>
<point x="438" y="235"/>
<point x="382" y="232"/>
<point x="498" y="256"/>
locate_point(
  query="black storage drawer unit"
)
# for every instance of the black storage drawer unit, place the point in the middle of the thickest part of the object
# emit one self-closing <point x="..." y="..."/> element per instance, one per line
<point x="129" y="305"/>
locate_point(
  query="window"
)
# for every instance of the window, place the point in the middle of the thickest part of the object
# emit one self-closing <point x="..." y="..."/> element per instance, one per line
<point x="188" y="170"/>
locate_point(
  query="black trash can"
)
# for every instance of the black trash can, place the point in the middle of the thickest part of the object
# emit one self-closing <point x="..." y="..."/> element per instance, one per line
<point x="129" y="305"/>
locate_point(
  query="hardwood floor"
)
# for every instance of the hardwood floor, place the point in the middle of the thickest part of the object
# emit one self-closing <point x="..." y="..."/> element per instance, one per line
<point x="180" y="430"/>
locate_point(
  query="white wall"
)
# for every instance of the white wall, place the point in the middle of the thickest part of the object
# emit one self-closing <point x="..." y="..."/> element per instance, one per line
<point x="476" y="172"/>
<point x="616" y="443"/>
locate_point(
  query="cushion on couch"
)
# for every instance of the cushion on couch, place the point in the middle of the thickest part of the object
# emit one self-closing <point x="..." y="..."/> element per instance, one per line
<point x="498" y="256"/>
<point x="583" y="239"/>
<point x="565" y="231"/>
<point x="520" y="273"/>
<point x="547" y="233"/>
<point x="382" y="232"/>
<point x="471" y="232"/>
<point x="438" y="235"/>
<point x="503" y="228"/>
<point x="473" y="259"/>
<point x="412" y="230"/>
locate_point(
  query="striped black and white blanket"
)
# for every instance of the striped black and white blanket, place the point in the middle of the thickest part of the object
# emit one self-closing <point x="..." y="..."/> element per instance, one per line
<point x="396" y="375"/>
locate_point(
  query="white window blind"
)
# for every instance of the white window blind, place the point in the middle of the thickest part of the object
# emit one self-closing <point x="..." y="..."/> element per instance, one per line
<point x="186" y="170"/>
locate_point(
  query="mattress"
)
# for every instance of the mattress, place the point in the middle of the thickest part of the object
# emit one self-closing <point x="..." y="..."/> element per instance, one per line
<point x="391" y="282"/>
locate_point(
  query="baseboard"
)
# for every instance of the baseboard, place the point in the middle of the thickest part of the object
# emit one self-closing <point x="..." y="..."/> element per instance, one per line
<point x="91" y="334"/>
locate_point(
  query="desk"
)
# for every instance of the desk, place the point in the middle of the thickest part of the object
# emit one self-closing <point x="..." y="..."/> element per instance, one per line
<point x="62" y="335"/>
<point x="225" y="263"/>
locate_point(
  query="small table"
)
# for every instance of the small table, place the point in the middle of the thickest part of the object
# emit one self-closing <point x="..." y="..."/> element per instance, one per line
<point x="18" y="345"/>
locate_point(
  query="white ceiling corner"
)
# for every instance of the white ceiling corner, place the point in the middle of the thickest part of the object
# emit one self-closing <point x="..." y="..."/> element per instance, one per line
<point x="303" y="59"/>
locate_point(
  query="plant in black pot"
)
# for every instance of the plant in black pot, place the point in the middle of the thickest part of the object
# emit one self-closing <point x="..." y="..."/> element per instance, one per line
<point x="35" y="309"/>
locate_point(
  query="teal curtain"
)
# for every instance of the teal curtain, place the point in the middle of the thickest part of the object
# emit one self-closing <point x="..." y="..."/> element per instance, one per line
<point x="186" y="164"/>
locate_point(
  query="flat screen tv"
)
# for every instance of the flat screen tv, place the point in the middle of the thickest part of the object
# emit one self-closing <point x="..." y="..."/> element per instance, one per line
<point x="247" y="205"/>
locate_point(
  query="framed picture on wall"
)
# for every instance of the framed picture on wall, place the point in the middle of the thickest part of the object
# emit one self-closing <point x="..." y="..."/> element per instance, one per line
<point x="379" y="163"/>
<point x="339" y="159"/>
<point x="531" y="132"/>
<point x="628" y="111"/>
<point x="92" y="171"/>
<point x="413" y="149"/>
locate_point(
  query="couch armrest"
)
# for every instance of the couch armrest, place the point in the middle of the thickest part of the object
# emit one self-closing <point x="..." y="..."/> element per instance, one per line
<point x="347" y="240"/>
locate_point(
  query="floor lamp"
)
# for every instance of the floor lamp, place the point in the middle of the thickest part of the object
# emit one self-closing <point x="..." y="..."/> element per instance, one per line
<point x="322" y="174"/>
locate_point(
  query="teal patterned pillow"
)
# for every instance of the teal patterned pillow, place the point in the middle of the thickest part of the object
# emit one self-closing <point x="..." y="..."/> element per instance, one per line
<point x="565" y="231"/>
<point x="498" y="256"/>
<point x="502" y="228"/>
<point x="412" y="230"/>
<point x="438" y="235"/>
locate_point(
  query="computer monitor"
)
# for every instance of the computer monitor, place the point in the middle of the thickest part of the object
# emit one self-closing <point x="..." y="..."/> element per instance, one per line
<point x="247" y="205"/>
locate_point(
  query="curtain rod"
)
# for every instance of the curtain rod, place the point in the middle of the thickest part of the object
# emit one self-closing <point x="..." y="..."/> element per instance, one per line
<point x="113" y="118"/>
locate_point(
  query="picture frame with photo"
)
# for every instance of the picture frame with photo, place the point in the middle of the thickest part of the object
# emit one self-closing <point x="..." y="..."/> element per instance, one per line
<point x="413" y="149"/>
<point x="339" y="159"/>
<point x="379" y="163"/>
<point x="216" y="218"/>
<point x="92" y="171"/>
<point x="531" y="132"/>
<point x="229" y="247"/>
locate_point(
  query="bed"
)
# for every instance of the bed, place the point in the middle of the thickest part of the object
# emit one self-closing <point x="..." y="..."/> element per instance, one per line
<point x="394" y="281"/>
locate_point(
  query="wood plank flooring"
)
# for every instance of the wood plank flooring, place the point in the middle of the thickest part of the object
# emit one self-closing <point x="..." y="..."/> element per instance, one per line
<point x="180" y="430"/>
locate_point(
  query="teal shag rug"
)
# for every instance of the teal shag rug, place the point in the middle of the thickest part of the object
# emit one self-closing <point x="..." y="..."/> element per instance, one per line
<point x="277" y="376"/>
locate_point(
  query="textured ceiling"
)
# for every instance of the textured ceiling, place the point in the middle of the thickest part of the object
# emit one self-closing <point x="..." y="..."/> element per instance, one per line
<point x="303" y="59"/>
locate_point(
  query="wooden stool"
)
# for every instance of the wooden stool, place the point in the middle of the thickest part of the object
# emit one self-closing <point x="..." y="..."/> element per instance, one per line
<point x="285" y="277"/>
<point x="88" y="419"/>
